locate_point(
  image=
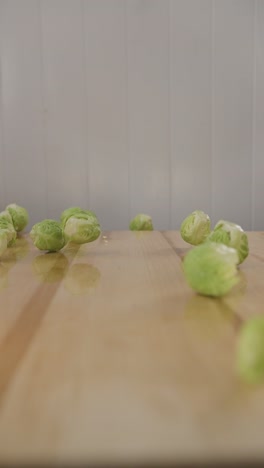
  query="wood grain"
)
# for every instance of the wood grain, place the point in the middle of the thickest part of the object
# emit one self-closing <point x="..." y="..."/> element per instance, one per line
<point x="107" y="356"/>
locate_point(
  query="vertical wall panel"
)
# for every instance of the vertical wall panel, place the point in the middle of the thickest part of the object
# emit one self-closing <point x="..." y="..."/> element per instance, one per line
<point x="191" y="56"/>
<point x="148" y="108"/>
<point x="66" y="141"/>
<point x="2" y="173"/>
<point x="128" y="106"/>
<point x="106" y="106"/>
<point x="232" y="117"/>
<point x="258" y="144"/>
<point x="22" y="106"/>
<point x="2" y="178"/>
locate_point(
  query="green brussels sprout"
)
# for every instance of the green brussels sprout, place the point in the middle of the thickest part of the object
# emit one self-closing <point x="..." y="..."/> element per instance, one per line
<point x="141" y="222"/>
<point x="10" y="231"/>
<point x="66" y="214"/>
<point x="6" y="215"/>
<point x="250" y="351"/>
<point x="48" y="235"/>
<point x="3" y="241"/>
<point x="231" y="235"/>
<point x="19" y="216"/>
<point x="196" y="227"/>
<point x="82" y="228"/>
<point x="210" y="268"/>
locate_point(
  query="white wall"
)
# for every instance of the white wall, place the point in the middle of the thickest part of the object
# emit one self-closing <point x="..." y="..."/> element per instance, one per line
<point x="127" y="106"/>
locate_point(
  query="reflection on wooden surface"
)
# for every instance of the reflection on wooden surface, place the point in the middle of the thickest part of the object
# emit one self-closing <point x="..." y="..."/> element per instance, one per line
<point x="107" y="355"/>
<point x="81" y="278"/>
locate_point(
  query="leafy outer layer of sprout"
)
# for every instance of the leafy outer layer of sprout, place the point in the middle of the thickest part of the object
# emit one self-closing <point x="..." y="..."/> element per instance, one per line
<point x="82" y="228"/>
<point x="232" y="235"/>
<point x="141" y="222"/>
<point x="6" y="215"/>
<point x="66" y="214"/>
<point x="250" y="351"/>
<point x="196" y="227"/>
<point x="10" y="231"/>
<point x="211" y="268"/>
<point x="3" y="242"/>
<point x="19" y="216"/>
<point x="48" y="235"/>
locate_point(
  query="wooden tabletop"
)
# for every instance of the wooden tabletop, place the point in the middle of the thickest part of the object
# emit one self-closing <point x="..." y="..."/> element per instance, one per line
<point x="107" y="356"/>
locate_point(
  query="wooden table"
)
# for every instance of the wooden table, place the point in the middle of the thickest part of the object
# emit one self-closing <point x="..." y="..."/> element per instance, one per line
<point x="107" y="356"/>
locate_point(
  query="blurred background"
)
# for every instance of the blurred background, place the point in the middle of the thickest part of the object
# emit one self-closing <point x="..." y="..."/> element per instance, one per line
<point x="128" y="106"/>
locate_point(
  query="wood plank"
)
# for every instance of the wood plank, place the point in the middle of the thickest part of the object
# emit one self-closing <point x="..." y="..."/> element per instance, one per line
<point x="256" y="240"/>
<point x="126" y="365"/>
<point x="249" y="301"/>
<point x="24" y="301"/>
<point x="176" y="241"/>
<point x="246" y="299"/>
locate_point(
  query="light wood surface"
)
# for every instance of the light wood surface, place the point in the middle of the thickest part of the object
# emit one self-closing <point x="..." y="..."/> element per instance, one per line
<point x="107" y="356"/>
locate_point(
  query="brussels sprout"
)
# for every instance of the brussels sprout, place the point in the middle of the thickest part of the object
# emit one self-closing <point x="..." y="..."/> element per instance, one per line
<point x="3" y="242"/>
<point x="19" y="216"/>
<point x="141" y="222"/>
<point x="196" y="227"/>
<point x="66" y="214"/>
<point x="210" y="268"/>
<point x="231" y="235"/>
<point x="6" y="215"/>
<point x="48" y="235"/>
<point x="82" y="228"/>
<point x="250" y="351"/>
<point x="10" y="231"/>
